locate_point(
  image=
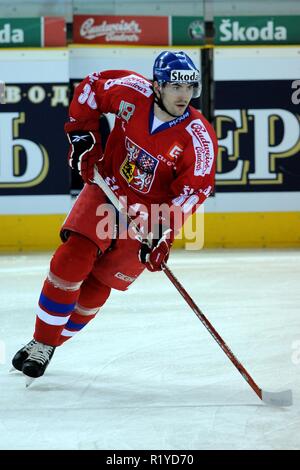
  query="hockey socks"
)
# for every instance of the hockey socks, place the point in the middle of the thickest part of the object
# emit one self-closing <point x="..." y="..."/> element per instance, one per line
<point x="54" y="311"/>
<point x="69" y="266"/>
<point x="93" y="294"/>
<point x="67" y="304"/>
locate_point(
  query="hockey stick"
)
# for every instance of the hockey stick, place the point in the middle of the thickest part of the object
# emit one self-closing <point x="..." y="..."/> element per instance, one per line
<point x="283" y="398"/>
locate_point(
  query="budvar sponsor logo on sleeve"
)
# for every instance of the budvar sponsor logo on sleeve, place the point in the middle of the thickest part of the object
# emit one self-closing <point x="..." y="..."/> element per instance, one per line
<point x="203" y="147"/>
<point x="131" y="81"/>
<point x="121" y="30"/>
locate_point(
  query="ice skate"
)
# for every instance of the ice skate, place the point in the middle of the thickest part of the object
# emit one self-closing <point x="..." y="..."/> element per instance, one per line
<point x="21" y="356"/>
<point x="37" y="361"/>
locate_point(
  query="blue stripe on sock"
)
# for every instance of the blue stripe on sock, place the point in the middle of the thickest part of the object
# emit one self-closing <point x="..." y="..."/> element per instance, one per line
<point x="55" y="307"/>
<point x="74" y="326"/>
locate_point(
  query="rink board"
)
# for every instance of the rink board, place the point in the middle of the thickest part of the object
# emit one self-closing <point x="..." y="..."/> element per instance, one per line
<point x="257" y="200"/>
<point x="38" y="232"/>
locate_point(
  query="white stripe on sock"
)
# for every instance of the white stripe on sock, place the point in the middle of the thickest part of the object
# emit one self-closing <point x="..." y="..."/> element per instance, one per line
<point x="86" y="311"/>
<point x="52" y="319"/>
<point x="68" y="332"/>
<point x="62" y="284"/>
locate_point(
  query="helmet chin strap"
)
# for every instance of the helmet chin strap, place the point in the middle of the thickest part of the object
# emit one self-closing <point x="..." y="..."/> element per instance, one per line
<point x="161" y="105"/>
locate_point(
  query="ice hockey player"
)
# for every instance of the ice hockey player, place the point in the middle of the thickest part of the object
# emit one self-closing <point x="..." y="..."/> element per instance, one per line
<point x="161" y="151"/>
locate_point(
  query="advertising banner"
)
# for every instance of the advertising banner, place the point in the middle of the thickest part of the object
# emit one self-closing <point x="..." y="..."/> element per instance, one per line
<point x="129" y="30"/>
<point x="257" y="102"/>
<point x="20" y="32"/>
<point x="243" y="30"/>
<point x="34" y="175"/>
<point x="187" y="30"/>
<point x="55" y="31"/>
<point x="32" y="32"/>
<point x="258" y="129"/>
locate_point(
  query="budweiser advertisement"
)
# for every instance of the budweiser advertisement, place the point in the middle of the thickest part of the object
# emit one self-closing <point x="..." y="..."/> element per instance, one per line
<point x="149" y="30"/>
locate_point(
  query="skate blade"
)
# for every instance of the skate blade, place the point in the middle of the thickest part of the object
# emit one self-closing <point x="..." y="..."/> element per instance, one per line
<point x="13" y="369"/>
<point x="28" y="380"/>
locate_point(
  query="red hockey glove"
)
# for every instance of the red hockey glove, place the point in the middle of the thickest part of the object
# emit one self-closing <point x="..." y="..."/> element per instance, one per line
<point x="85" y="151"/>
<point x="158" y="252"/>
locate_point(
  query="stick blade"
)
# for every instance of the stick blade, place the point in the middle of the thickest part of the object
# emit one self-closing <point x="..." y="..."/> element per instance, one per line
<point x="284" y="398"/>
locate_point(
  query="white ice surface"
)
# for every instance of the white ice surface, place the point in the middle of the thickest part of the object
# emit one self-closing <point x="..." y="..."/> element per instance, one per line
<point x="145" y="374"/>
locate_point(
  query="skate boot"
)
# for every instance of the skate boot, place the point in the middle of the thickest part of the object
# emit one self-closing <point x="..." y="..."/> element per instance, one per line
<point x="37" y="361"/>
<point x="22" y="355"/>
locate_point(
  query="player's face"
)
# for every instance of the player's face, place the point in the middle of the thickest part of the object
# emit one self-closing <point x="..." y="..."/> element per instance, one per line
<point x="176" y="97"/>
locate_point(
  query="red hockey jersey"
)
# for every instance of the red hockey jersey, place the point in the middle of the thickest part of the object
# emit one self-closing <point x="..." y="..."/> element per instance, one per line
<point x="174" y="164"/>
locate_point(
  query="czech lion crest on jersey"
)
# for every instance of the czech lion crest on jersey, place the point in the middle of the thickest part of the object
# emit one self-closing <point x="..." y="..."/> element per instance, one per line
<point x="139" y="167"/>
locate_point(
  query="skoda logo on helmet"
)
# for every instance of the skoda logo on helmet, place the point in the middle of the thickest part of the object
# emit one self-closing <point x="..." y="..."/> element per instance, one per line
<point x="184" y="76"/>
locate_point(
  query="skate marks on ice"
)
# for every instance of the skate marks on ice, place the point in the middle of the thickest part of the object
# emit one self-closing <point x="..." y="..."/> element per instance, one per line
<point x="166" y="409"/>
<point x="116" y="412"/>
<point x="146" y="374"/>
<point x="94" y="424"/>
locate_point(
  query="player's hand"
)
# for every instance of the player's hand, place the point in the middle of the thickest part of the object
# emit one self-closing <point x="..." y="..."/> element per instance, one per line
<point x="85" y="151"/>
<point x="154" y="252"/>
